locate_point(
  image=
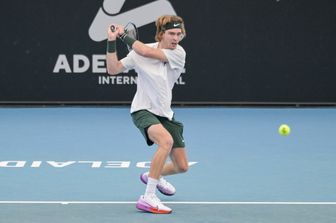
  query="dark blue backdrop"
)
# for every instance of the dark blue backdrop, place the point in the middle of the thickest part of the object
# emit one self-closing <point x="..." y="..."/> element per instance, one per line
<point x="238" y="51"/>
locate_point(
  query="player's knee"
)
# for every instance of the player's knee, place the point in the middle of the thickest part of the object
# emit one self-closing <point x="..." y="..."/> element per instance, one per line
<point x="182" y="168"/>
<point x="166" y="143"/>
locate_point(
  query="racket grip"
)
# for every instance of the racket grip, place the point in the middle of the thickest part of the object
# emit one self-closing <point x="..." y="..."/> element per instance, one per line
<point x="113" y="28"/>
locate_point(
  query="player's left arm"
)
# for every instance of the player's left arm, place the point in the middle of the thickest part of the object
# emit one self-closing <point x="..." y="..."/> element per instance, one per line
<point x="141" y="48"/>
<point x="146" y="51"/>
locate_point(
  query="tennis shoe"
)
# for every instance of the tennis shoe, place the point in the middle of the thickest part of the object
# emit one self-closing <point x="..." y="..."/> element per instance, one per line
<point x="163" y="186"/>
<point x="152" y="204"/>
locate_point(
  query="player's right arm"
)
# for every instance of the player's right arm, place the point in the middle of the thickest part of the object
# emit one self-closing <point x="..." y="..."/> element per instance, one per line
<point x="113" y="65"/>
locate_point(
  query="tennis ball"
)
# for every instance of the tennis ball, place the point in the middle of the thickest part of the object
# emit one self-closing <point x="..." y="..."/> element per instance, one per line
<point x="284" y="130"/>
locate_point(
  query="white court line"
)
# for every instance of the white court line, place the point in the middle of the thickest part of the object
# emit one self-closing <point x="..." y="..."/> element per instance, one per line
<point x="179" y="202"/>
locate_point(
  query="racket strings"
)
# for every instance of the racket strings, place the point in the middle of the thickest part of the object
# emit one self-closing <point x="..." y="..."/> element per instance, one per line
<point x="132" y="31"/>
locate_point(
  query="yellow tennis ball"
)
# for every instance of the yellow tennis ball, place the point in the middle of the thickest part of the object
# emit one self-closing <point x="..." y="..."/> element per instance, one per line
<point x="284" y="129"/>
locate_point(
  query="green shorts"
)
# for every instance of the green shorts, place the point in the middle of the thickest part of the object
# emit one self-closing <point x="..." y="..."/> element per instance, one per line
<point x="143" y="119"/>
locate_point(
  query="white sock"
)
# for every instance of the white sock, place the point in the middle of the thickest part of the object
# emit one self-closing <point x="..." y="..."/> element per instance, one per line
<point x="151" y="186"/>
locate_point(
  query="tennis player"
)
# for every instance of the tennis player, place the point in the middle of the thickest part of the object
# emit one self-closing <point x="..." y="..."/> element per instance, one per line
<point x="158" y="66"/>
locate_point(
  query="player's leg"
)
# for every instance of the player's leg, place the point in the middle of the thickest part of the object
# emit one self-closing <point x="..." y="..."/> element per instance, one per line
<point x="149" y="201"/>
<point x="152" y="130"/>
<point x="179" y="162"/>
<point x="161" y="137"/>
<point x="178" y="154"/>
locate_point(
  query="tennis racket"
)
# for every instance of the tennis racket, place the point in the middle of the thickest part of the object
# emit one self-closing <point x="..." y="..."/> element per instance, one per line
<point x="131" y="30"/>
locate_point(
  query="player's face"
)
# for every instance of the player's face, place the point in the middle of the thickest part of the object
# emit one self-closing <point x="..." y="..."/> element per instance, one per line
<point x="171" y="38"/>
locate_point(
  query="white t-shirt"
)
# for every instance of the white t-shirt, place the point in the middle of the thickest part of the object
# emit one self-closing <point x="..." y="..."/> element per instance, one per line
<point x="156" y="80"/>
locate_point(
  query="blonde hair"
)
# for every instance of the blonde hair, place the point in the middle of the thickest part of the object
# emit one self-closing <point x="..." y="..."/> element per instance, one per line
<point x="163" y="20"/>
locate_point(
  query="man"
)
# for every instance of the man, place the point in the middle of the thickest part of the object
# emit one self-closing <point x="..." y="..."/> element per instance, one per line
<point x="158" y="66"/>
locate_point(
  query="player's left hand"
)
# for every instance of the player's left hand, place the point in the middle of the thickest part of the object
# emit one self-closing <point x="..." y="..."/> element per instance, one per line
<point x="112" y="35"/>
<point x="120" y="29"/>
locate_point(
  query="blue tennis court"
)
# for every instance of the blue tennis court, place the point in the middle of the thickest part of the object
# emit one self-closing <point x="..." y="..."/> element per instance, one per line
<point x="82" y="164"/>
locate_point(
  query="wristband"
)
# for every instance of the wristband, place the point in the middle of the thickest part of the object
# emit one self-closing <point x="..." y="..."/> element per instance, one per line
<point x="111" y="46"/>
<point x="127" y="39"/>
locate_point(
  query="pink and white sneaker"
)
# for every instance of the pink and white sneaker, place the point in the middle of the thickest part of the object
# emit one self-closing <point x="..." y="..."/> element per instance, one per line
<point x="163" y="186"/>
<point x="152" y="204"/>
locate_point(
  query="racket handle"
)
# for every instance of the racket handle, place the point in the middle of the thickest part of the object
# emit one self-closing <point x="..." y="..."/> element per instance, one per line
<point x="113" y="28"/>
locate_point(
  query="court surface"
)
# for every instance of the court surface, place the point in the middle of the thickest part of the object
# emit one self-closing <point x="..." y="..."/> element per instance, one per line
<point x="83" y="165"/>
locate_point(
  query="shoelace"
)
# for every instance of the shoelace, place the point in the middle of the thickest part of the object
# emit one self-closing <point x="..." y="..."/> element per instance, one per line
<point x="164" y="182"/>
<point x="156" y="199"/>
